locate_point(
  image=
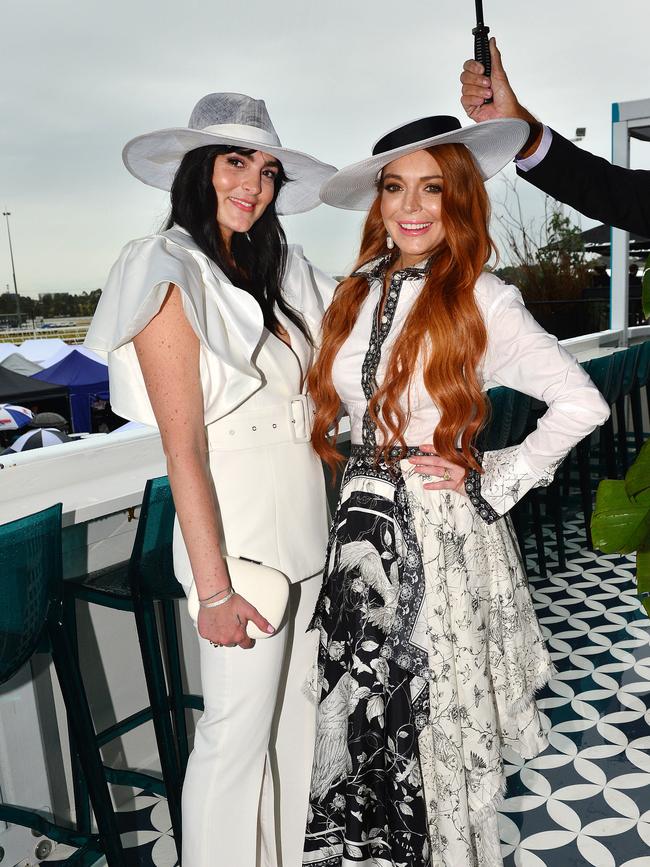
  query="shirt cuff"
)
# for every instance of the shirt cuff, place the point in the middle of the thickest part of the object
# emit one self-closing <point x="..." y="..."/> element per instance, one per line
<point x="505" y="479"/>
<point x="538" y="155"/>
<point x="473" y="490"/>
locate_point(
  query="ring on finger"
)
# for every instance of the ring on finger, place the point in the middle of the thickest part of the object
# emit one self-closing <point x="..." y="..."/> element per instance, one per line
<point x="446" y="475"/>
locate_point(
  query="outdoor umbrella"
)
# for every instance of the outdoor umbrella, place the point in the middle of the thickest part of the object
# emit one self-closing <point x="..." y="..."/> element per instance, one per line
<point x="14" y="417"/>
<point x="37" y="439"/>
<point x="597" y="240"/>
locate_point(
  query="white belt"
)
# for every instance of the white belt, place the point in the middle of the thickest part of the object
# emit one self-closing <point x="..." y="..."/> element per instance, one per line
<point x="289" y="422"/>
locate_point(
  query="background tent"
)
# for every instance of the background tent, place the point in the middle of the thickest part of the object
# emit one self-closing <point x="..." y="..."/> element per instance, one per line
<point x="19" y="364"/>
<point x="7" y="349"/>
<point x="14" y="387"/>
<point x="35" y="395"/>
<point x="65" y="350"/>
<point x="41" y="349"/>
<point x="85" y="379"/>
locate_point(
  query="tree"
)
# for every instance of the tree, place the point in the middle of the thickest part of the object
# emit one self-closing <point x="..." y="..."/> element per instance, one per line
<point x="549" y="264"/>
<point x="548" y="258"/>
<point x="54" y="304"/>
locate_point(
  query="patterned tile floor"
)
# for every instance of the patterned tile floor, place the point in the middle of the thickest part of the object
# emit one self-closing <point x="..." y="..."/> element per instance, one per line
<point x="586" y="799"/>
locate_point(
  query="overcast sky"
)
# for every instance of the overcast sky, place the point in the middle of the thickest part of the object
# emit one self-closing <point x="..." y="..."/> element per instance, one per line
<point x="81" y="77"/>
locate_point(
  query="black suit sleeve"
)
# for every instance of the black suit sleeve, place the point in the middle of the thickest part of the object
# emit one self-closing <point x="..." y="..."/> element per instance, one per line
<point x="614" y="195"/>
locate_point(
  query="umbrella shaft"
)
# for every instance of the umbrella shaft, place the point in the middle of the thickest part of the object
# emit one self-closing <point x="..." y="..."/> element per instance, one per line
<point x="479" y="13"/>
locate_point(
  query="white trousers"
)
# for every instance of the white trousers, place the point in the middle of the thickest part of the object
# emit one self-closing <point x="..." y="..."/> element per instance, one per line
<point x="246" y="789"/>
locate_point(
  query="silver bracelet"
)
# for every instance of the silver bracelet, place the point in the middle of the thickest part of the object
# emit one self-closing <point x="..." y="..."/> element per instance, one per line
<point x="218" y="602"/>
<point x="214" y="595"/>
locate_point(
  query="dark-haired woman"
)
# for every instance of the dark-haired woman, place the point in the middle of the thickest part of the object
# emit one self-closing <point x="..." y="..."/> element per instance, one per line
<point x="210" y="327"/>
<point x="430" y="651"/>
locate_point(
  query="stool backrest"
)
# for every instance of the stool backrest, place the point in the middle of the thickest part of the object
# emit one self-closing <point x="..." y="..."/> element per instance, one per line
<point x="520" y="415"/>
<point x="30" y="583"/>
<point x="630" y="364"/>
<point x="496" y="434"/>
<point x="606" y="372"/>
<point x="151" y="565"/>
<point x="643" y="366"/>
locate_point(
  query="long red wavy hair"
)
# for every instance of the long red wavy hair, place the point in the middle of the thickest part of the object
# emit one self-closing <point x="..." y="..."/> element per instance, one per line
<point x="444" y="329"/>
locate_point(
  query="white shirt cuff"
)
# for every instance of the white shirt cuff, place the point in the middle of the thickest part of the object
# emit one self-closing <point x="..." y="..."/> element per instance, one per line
<point x="538" y="155"/>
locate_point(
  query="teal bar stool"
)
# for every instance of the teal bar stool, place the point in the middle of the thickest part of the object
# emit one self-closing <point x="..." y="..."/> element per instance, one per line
<point x="628" y="378"/>
<point x="607" y="374"/>
<point x="509" y="411"/>
<point x="497" y="433"/>
<point x="641" y="380"/>
<point x="527" y="414"/>
<point x="31" y="620"/>
<point x="136" y="585"/>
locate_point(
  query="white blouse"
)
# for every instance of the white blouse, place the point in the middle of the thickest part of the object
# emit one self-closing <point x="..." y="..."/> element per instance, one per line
<point x="519" y="355"/>
<point x="268" y="481"/>
<point x="226" y="319"/>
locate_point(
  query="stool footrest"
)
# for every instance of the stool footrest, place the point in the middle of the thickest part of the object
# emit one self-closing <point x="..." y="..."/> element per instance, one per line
<point x="111" y="581"/>
<point x="136" y="780"/>
<point x="123" y="726"/>
<point x="193" y="702"/>
<point x="36" y="820"/>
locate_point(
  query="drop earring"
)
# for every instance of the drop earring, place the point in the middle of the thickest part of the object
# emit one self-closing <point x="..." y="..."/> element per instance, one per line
<point x="389" y="242"/>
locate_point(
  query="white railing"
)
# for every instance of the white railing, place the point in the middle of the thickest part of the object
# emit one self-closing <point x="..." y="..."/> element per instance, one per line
<point x="71" y="334"/>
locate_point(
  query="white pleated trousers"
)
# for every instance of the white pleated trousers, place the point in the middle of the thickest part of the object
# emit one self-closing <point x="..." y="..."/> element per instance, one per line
<point x="246" y="789"/>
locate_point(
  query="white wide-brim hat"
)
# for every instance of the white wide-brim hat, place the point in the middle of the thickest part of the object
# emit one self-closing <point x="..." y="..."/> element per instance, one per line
<point x="227" y="119"/>
<point x="492" y="143"/>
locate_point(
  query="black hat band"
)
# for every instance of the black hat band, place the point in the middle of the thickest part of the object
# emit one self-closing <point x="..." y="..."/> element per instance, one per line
<point x="417" y="130"/>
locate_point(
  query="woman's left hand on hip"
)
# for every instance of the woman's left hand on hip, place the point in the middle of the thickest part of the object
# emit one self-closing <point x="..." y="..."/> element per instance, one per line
<point x="451" y="476"/>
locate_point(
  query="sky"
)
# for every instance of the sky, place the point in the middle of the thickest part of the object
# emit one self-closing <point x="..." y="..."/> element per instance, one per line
<point x="81" y="78"/>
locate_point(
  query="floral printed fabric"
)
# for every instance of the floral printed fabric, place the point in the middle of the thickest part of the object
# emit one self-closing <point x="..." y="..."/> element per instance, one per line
<point x="367" y="803"/>
<point x="408" y="769"/>
<point x="487" y="658"/>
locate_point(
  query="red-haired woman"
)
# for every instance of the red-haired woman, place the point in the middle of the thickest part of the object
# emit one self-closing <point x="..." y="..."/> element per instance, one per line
<point x="430" y="650"/>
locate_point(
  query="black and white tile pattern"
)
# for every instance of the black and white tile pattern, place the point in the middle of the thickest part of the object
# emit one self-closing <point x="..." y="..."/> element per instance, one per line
<point x="586" y="799"/>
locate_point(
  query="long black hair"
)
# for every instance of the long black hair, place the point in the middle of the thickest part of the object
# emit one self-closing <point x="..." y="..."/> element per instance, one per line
<point x="258" y="259"/>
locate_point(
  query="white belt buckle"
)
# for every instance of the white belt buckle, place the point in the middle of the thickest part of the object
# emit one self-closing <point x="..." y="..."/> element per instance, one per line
<point x="300" y="412"/>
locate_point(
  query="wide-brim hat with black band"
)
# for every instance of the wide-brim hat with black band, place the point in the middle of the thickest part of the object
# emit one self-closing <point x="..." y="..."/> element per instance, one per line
<point x="492" y="143"/>
<point x="227" y="119"/>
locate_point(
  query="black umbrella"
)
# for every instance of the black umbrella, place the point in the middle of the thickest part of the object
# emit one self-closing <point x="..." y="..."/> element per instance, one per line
<point x="597" y="240"/>
<point x="37" y="439"/>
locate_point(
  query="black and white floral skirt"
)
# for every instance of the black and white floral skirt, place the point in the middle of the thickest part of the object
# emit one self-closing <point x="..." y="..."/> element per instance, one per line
<point x="429" y="657"/>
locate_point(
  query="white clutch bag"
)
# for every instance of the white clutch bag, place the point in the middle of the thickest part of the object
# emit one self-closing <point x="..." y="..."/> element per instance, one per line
<point x="265" y="588"/>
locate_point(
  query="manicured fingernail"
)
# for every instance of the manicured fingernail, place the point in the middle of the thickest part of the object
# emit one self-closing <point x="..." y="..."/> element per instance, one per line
<point x="270" y="629"/>
<point x="486" y="82"/>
